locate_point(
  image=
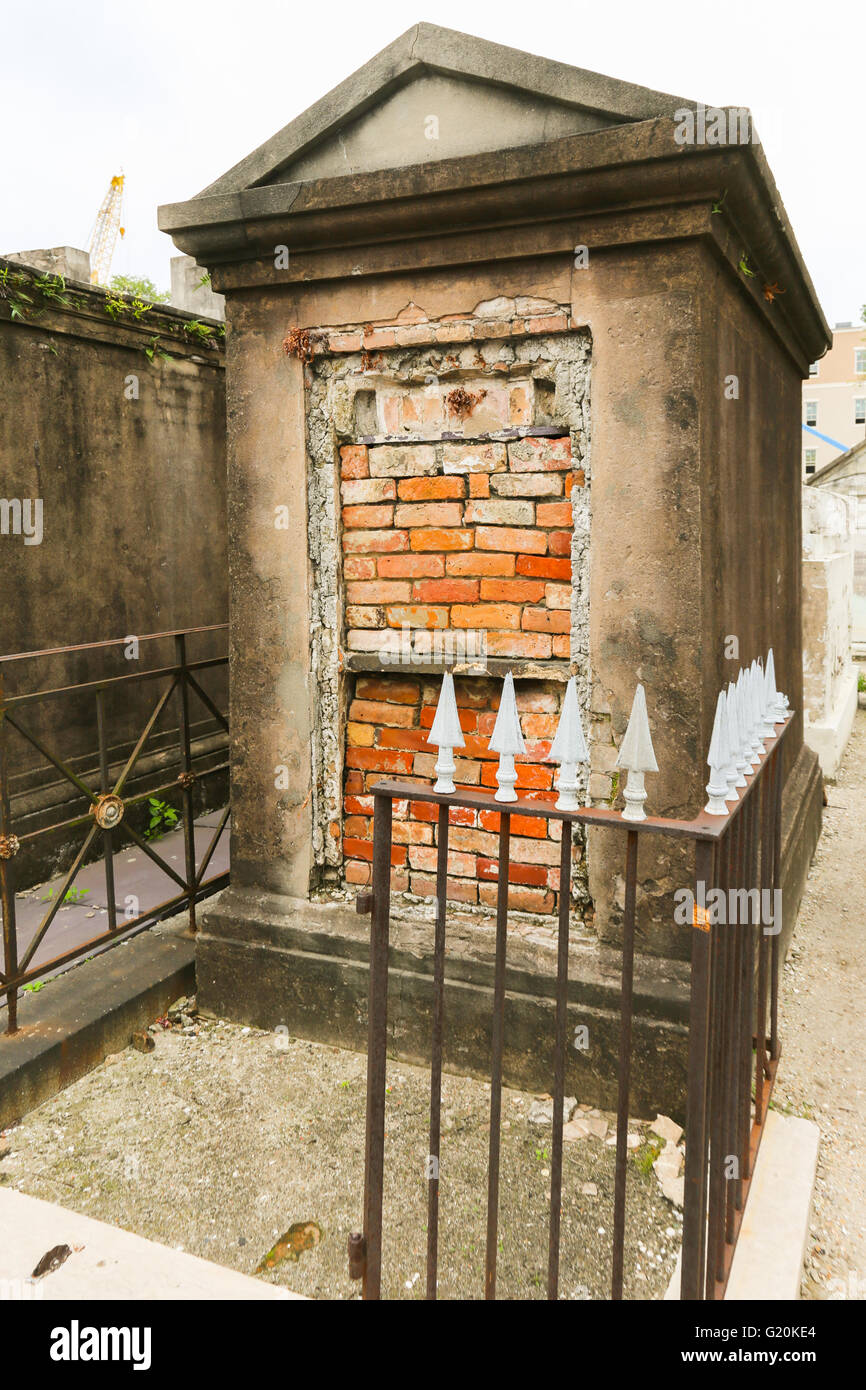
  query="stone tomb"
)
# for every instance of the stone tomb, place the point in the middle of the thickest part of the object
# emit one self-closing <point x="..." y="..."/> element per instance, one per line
<point x="500" y="397"/>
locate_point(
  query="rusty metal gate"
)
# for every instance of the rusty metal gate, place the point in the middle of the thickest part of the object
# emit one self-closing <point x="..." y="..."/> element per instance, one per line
<point x="733" y="1025"/>
<point x="107" y="806"/>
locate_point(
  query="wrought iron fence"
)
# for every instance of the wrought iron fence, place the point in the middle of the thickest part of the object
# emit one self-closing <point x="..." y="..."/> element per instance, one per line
<point x="108" y="810"/>
<point x="733" y="1023"/>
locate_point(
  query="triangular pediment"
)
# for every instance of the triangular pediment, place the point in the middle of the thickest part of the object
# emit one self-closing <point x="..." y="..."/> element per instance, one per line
<point x="437" y="94"/>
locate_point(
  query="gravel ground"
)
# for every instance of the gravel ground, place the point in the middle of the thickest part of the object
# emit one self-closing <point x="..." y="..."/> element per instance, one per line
<point x="222" y="1140"/>
<point x="822" y="1074"/>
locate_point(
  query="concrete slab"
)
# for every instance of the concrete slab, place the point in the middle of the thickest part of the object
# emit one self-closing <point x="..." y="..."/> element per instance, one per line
<point x="768" y="1260"/>
<point x="106" y="1262"/>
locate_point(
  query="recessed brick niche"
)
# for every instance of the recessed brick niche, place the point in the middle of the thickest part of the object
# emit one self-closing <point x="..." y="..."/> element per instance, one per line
<point x="460" y="470"/>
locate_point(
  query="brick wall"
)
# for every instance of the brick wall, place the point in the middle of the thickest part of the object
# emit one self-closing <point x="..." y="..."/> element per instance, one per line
<point x="386" y="735"/>
<point x="460" y="535"/>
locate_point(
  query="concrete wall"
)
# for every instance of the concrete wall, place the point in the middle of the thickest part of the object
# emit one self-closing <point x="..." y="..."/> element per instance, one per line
<point x="829" y="676"/>
<point x="848" y="481"/>
<point x="126" y="454"/>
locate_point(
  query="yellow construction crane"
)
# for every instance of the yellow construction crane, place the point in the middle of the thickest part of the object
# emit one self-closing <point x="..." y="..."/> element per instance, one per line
<point x="106" y="229"/>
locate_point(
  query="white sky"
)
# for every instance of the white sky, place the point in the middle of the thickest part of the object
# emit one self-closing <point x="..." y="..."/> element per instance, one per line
<point x="174" y="92"/>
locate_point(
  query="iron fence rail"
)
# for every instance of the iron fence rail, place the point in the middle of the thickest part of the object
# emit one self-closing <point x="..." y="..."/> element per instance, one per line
<point x="734" y="982"/>
<point x="108" y="806"/>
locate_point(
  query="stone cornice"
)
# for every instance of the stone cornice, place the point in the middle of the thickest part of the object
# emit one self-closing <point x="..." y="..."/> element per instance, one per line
<point x="626" y="184"/>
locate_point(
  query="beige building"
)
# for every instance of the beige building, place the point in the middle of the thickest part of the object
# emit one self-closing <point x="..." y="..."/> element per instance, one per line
<point x="834" y="399"/>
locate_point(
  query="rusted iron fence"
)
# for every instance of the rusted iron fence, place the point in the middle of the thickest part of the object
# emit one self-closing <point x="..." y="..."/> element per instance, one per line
<point x="108" y="811"/>
<point x="733" y="1027"/>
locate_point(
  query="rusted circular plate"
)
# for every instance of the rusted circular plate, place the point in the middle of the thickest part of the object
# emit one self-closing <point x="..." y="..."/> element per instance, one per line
<point x="108" y="811"/>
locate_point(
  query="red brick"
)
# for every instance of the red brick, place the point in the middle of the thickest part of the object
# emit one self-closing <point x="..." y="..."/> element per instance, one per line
<point x="510" y="538"/>
<point x="533" y="826"/>
<point x="427" y="514"/>
<point x="519" y="899"/>
<point x="358" y="805"/>
<point x="468" y="718"/>
<point x="560" y="542"/>
<point x="562" y="647"/>
<point x="545" y="620"/>
<point x="573" y="480"/>
<point x="360" y="735"/>
<point x="528" y="775"/>
<point x="426" y="858"/>
<point x="359" y="567"/>
<point x="553" y="514"/>
<point x="417" y="615"/>
<point x="354" y="783"/>
<point x="446" y="591"/>
<point x="485" y="615"/>
<point x="480" y="564"/>
<point x="353" y="461"/>
<point x="376" y="541"/>
<point x="458" y="890"/>
<point x="532" y="646"/>
<point x="531" y="875"/>
<point x="399" y="716"/>
<point x="535" y="851"/>
<point x="396" y="691"/>
<point x="357" y="826"/>
<point x="479" y="485"/>
<point x="363" y="849"/>
<point x="478" y="841"/>
<point x="378" y="760"/>
<point x="430" y="489"/>
<point x="542" y="568"/>
<point x="424" y="810"/>
<point x="356" y="518"/>
<point x="410" y="832"/>
<point x="538" y="725"/>
<point x="378" y="591"/>
<point x="410" y="566"/>
<point x="537" y="701"/>
<point x="416" y="739"/>
<point x="513" y="590"/>
<point x="436" y="539"/>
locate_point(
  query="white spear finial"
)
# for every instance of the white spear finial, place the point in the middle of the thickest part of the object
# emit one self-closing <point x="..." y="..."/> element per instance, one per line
<point x="777" y="702"/>
<point x="568" y="749"/>
<point x="767" y="716"/>
<point x="738" y="763"/>
<point x="507" y="741"/>
<point x="717" y="760"/>
<point x="747" y="725"/>
<point x="636" y="756"/>
<point x="446" y="735"/>
<point x="756" y="686"/>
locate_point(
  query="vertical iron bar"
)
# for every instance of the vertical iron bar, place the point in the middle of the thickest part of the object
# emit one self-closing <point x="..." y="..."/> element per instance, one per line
<point x="497" y="1049"/>
<point x="732" y="1151"/>
<point x="695" y="1198"/>
<point x="625" y="1004"/>
<point x="716" y="1043"/>
<point x="105" y="786"/>
<point x="763" y="941"/>
<point x="377" y="1041"/>
<point x="436" y="1055"/>
<point x="7" y="884"/>
<point x="561" y="1026"/>
<point x="728" y="1060"/>
<point x="188" y="826"/>
<point x="774" y="952"/>
<point x="749" y="991"/>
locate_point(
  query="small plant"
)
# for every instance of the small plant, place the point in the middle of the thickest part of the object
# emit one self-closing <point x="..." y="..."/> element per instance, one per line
<point x="647" y="1155"/>
<point x="154" y="350"/>
<point x="207" y="334"/>
<point x="53" y="287"/>
<point x="72" y="895"/>
<point x="204" y="282"/>
<point x="861" y="683"/>
<point x="34" y="987"/>
<point x="115" y="306"/>
<point x="163" y="819"/>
